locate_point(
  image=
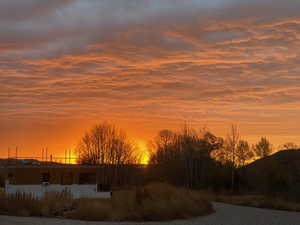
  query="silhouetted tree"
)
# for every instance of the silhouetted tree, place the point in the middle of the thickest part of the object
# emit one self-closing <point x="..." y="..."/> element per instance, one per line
<point x="263" y="148"/>
<point x="231" y="146"/>
<point x="163" y="150"/>
<point x="182" y="156"/>
<point x="105" y="144"/>
<point x="243" y="153"/>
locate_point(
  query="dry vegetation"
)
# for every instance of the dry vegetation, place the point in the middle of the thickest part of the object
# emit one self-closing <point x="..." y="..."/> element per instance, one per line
<point x="21" y="204"/>
<point x="152" y="202"/>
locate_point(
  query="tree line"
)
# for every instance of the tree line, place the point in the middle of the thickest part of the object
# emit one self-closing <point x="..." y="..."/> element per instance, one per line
<point x="186" y="157"/>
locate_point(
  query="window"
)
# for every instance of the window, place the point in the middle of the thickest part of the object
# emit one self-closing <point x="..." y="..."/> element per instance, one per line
<point x="103" y="188"/>
<point x="45" y="177"/>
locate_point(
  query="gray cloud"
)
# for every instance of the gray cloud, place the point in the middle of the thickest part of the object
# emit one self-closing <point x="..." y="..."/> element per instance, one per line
<point x="153" y="61"/>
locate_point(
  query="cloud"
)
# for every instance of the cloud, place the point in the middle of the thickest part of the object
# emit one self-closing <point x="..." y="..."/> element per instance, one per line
<point x="156" y="62"/>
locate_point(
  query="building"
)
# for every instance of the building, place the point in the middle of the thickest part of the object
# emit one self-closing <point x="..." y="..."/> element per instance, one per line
<point x="81" y="181"/>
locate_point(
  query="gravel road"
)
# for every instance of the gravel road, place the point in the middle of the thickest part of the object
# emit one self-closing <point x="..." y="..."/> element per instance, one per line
<point x="225" y="215"/>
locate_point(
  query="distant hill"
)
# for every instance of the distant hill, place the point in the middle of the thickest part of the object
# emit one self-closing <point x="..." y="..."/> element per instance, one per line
<point x="285" y="157"/>
<point x="277" y="173"/>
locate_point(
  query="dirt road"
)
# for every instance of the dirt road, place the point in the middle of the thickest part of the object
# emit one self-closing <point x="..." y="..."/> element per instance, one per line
<point x="225" y="215"/>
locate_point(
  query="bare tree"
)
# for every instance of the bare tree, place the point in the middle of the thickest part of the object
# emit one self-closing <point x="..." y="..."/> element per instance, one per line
<point x="243" y="153"/>
<point x="231" y="145"/>
<point x="187" y="152"/>
<point x="165" y="138"/>
<point x="105" y="144"/>
<point x="163" y="147"/>
<point x="263" y="148"/>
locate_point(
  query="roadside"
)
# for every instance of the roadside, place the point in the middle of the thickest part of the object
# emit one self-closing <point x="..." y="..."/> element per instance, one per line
<point x="226" y="214"/>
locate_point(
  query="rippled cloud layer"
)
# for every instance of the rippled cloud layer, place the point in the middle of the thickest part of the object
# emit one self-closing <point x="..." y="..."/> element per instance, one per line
<point x="147" y="65"/>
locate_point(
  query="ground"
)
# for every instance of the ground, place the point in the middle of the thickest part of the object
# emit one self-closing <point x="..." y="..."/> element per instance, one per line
<point x="225" y="215"/>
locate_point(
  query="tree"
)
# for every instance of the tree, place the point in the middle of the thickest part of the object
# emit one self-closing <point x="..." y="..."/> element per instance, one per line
<point x="183" y="156"/>
<point x="163" y="147"/>
<point x="263" y="148"/>
<point x="243" y="153"/>
<point x="165" y="138"/>
<point x="105" y="144"/>
<point x="231" y="146"/>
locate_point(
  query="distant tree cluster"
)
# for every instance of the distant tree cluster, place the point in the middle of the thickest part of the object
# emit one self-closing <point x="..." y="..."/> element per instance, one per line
<point x="200" y="158"/>
<point x="193" y="158"/>
<point x="183" y="156"/>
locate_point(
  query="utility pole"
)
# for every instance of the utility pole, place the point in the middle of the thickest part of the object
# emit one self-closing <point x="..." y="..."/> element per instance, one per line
<point x="42" y="155"/>
<point x="16" y="154"/>
<point x="8" y="155"/>
<point x="65" y="156"/>
<point x="46" y="155"/>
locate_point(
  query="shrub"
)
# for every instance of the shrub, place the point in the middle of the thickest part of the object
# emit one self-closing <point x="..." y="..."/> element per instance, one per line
<point x="92" y="209"/>
<point x="20" y="204"/>
<point x="149" y="203"/>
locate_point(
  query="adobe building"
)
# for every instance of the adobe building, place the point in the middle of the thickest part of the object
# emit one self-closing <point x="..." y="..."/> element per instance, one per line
<point x="81" y="181"/>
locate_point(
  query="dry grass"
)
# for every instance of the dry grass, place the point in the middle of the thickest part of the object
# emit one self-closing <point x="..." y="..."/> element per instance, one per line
<point x="21" y="204"/>
<point x="91" y="209"/>
<point x="154" y="202"/>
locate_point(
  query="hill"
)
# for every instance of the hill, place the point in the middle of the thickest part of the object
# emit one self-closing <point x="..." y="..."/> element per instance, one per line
<point x="275" y="174"/>
<point x="285" y="157"/>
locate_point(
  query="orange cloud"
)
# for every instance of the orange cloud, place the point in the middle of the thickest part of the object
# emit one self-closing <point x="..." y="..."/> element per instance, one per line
<point x="147" y="68"/>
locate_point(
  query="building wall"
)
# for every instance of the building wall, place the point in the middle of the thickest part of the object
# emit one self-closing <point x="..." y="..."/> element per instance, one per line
<point x="115" y="176"/>
<point x="77" y="191"/>
<point x="57" y="175"/>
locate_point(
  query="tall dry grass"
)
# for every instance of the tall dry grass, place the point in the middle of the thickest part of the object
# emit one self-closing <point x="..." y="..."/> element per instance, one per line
<point x="25" y="204"/>
<point x="154" y="202"/>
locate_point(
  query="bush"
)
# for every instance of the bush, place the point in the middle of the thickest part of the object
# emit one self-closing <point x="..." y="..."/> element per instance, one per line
<point x="92" y="209"/>
<point x="150" y="203"/>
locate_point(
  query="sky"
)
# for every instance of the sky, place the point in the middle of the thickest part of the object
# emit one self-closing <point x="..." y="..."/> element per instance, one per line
<point x="147" y="65"/>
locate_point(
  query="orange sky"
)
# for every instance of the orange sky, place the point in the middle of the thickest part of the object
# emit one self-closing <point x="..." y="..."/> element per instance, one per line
<point x="65" y="65"/>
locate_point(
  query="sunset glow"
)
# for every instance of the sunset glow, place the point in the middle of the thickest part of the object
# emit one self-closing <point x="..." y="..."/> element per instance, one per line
<point x="66" y="65"/>
<point x="143" y="151"/>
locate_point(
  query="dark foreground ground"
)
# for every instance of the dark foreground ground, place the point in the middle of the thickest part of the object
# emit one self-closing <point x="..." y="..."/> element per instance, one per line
<point x="225" y="215"/>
